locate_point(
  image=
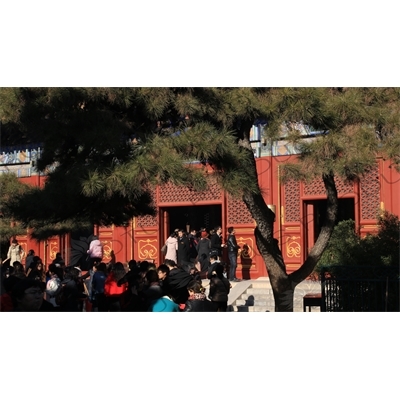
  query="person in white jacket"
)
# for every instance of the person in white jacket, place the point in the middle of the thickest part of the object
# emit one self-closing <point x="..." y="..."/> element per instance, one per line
<point x="172" y="247"/>
<point x="95" y="251"/>
<point x="15" y="252"/>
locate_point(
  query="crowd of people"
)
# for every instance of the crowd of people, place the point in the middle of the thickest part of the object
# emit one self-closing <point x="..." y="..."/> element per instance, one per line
<point x="174" y="286"/>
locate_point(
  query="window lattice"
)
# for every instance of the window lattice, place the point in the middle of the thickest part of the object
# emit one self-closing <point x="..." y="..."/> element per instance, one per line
<point x="238" y="212"/>
<point x="370" y="194"/>
<point x="292" y="201"/>
<point x="148" y="220"/>
<point x="316" y="187"/>
<point x="170" y="193"/>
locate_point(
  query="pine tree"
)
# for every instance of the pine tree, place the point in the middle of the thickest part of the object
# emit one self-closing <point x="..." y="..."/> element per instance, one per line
<point x="111" y="145"/>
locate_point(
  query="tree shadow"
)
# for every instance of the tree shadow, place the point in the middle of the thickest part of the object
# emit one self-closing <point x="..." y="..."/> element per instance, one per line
<point x="246" y="262"/>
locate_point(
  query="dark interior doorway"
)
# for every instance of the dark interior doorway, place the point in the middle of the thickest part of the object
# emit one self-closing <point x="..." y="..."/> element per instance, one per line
<point x="194" y="217"/>
<point x="345" y="211"/>
<point x="315" y="216"/>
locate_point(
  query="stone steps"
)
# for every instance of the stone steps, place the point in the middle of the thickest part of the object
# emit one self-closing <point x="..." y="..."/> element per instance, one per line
<point x="264" y="296"/>
<point x="248" y="309"/>
<point x="255" y="302"/>
<point x="258" y="296"/>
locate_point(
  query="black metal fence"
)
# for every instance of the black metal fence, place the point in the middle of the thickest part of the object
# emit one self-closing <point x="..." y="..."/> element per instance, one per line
<point x="360" y="288"/>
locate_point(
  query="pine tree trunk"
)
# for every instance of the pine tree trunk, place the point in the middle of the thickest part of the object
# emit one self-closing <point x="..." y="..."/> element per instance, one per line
<point x="283" y="285"/>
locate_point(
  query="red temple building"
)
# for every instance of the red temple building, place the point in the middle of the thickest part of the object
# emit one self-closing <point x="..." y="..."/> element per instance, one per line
<point x="299" y="210"/>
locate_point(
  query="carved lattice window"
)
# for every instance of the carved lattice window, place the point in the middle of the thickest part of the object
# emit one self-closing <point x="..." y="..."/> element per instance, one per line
<point x="146" y="220"/>
<point x="238" y="212"/>
<point x="317" y="188"/>
<point x="370" y="194"/>
<point x="292" y="201"/>
<point x="170" y="193"/>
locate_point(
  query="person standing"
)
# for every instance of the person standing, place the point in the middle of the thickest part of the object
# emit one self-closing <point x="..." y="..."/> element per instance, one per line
<point x="219" y="289"/>
<point x="112" y="290"/>
<point x="29" y="259"/>
<point x="216" y="241"/>
<point x="15" y="252"/>
<point x="172" y="247"/>
<point x="193" y="241"/>
<point x="95" y="251"/>
<point x="203" y="249"/>
<point x="233" y="250"/>
<point x="98" y="283"/>
<point x="183" y="249"/>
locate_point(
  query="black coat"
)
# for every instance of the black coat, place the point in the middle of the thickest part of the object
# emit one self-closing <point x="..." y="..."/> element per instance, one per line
<point x="216" y="242"/>
<point x="193" y="240"/>
<point x="183" y="250"/>
<point x="232" y="244"/>
<point x="203" y="247"/>
<point x="199" y="306"/>
<point x="73" y="295"/>
<point x="219" y="289"/>
<point x="203" y="250"/>
<point x="211" y="268"/>
<point x="176" y="283"/>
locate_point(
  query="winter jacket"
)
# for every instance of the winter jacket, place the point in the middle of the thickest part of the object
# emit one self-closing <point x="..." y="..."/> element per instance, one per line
<point x="95" y="249"/>
<point x="15" y="253"/>
<point x="219" y="289"/>
<point x="183" y="250"/>
<point x="193" y="241"/>
<point x="72" y="294"/>
<point x="111" y="288"/>
<point x="203" y="246"/>
<point x="164" y="304"/>
<point x="232" y="244"/>
<point x="172" y="247"/>
<point x="28" y="262"/>
<point x="176" y="283"/>
<point x="211" y="268"/>
<point x="98" y="282"/>
<point x="216" y="243"/>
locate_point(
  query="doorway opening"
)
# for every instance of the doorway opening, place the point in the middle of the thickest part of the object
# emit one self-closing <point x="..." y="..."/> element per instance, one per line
<point x="315" y="211"/>
<point x="192" y="217"/>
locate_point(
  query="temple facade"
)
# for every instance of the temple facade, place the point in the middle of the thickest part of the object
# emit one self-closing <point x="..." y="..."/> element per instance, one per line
<point x="299" y="210"/>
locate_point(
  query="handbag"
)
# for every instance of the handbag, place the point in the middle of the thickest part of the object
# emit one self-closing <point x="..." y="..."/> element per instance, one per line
<point x="164" y="249"/>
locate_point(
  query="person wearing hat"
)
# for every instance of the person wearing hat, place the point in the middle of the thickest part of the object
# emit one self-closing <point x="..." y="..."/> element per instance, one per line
<point x="203" y="250"/>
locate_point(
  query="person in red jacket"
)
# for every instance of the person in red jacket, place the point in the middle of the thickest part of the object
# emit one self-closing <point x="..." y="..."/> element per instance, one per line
<point x="112" y="291"/>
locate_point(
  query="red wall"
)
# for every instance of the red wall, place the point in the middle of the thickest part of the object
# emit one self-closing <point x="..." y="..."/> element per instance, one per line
<point x="143" y="238"/>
